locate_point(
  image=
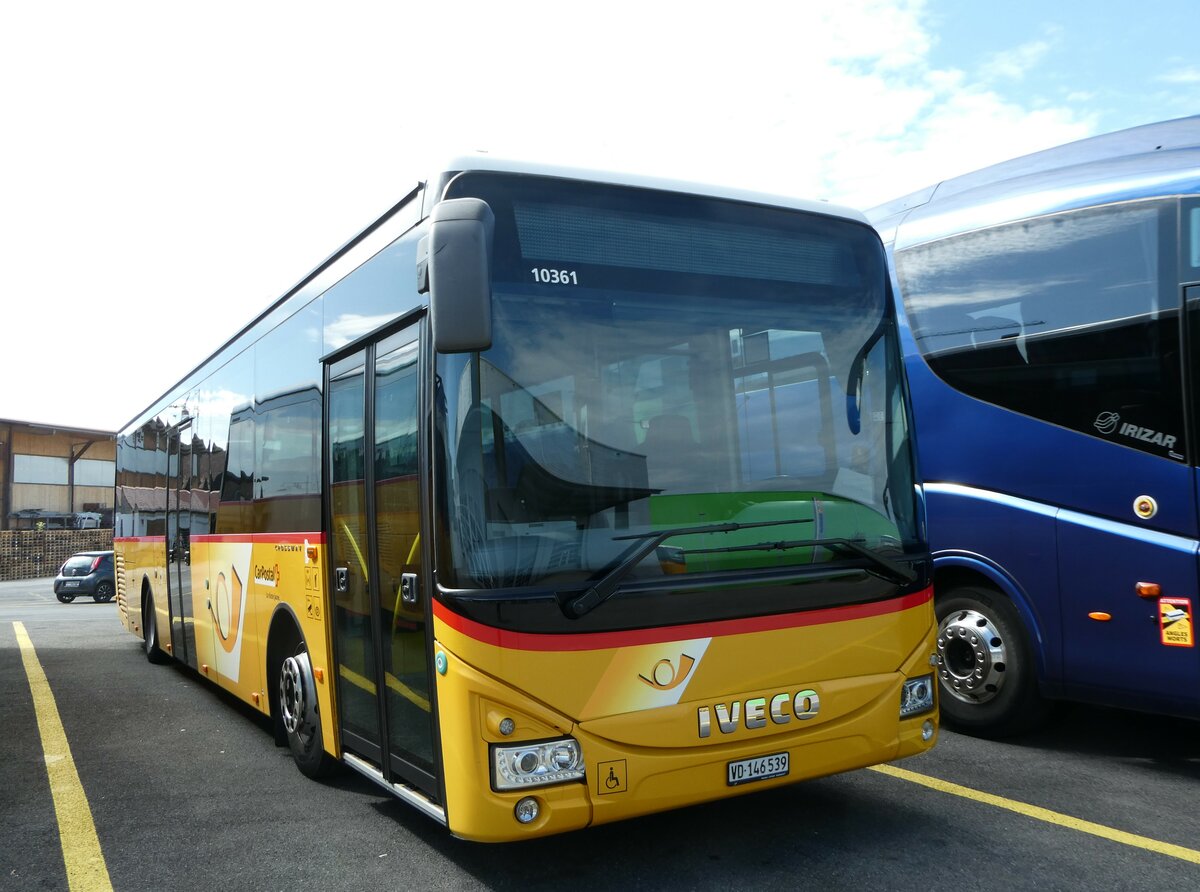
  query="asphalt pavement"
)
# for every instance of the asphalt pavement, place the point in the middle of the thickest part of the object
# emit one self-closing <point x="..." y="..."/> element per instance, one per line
<point x="188" y="792"/>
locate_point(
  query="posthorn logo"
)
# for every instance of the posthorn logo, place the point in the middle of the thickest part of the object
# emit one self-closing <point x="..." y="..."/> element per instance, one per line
<point x="664" y="676"/>
<point x="1106" y="422"/>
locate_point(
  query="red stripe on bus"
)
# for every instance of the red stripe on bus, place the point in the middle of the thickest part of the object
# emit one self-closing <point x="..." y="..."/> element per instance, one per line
<point x="268" y="538"/>
<point x="572" y="641"/>
<point x="282" y="538"/>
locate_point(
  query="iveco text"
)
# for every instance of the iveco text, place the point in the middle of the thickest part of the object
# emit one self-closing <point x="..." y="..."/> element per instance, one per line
<point x="803" y="705"/>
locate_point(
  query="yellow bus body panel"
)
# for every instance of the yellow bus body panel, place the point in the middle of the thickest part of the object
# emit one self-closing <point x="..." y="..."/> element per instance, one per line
<point x="632" y="700"/>
<point x="140" y="565"/>
<point x="635" y="709"/>
<point x="240" y="585"/>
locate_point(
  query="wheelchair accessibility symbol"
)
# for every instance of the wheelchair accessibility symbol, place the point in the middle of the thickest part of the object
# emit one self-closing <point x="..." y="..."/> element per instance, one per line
<point x="611" y="778"/>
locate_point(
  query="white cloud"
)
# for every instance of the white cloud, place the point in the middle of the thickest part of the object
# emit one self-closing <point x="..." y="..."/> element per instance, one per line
<point x="1014" y="64"/>
<point x="171" y="170"/>
<point x="1184" y="75"/>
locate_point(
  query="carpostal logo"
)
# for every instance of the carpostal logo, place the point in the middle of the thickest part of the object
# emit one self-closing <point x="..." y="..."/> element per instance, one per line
<point x="1110" y="422"/>
<point x="266" y="576"/>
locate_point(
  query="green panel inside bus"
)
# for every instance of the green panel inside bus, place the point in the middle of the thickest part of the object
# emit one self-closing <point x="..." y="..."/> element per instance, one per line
<point x="817" y="516"/>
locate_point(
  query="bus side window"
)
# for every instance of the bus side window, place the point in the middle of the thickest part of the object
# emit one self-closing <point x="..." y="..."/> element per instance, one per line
<point x="1064" y="318"/>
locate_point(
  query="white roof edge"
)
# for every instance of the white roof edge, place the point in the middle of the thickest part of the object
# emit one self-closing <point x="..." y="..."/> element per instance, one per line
<point x="487" y="162"/>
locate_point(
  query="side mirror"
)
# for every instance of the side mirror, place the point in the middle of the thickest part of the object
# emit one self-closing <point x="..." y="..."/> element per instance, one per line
<point x="455" y="262"/>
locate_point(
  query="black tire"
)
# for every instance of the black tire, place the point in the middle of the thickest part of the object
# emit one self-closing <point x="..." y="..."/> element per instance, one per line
<point x="299" y="714"/>
<point x="987" y="679"/>
<point x="65" y="598"/>
<point x="154" y="653"/>
<point x="104" y="592"/>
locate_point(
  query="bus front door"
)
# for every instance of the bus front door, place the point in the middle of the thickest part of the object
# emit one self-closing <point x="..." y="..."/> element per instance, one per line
<point x="380" y="614"/>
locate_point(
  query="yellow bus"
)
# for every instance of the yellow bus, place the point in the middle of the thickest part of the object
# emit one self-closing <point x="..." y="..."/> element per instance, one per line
<point x="553" y="498"/>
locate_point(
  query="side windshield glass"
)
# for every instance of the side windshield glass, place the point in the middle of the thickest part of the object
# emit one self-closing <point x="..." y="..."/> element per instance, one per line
<point x="1071" y="318"/>
<point x="665" y="363"/>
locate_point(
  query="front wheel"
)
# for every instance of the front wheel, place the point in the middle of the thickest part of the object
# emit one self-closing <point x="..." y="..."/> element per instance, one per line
<point x="986" y="673"/>
<point x="300" y="714"/>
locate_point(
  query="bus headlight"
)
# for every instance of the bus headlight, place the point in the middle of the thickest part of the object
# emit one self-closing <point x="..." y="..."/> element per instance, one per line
<point x="916" y="696"/>
<point x="536" y="764"/>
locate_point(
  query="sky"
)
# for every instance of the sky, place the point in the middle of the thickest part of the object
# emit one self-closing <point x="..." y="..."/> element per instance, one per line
<point x="168" y="170"/>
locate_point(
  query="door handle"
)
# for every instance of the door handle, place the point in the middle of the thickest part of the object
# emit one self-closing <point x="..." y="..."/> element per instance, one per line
<point x="409" y="588"/>
<point x="341" y="580"/>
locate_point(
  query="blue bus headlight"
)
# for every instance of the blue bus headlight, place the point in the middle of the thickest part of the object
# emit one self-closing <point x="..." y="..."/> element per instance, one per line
<point x="916" y="696"/>
<point x="536" y="764"/>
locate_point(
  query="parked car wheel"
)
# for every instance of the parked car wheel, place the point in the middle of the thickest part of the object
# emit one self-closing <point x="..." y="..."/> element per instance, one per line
<point x="66" y="599"/>
<point x="104" y="592"/>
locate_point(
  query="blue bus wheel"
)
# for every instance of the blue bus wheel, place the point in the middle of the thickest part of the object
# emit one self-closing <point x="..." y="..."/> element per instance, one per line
<point x="986" y="673"/>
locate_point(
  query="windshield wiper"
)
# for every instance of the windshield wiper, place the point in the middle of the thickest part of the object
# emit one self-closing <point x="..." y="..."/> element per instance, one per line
<point x="604" y="588"/>
<point x="884" y="567"/>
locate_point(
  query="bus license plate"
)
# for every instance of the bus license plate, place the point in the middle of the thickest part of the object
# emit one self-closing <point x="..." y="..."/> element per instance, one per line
<point x="747" y="771"/>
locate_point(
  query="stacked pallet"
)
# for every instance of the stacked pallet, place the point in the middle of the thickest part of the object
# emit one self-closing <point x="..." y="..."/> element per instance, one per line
<point x="32" y="554"/>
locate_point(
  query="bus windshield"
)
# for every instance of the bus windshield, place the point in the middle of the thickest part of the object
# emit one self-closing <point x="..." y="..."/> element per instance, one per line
<point x="664" y="362"/>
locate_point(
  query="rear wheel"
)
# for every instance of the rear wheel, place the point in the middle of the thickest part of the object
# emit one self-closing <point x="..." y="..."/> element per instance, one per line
<point x="104" y="592"/>
<point x="154" y="653"/>
<point x="300" y="713"/>
<point x="986" y="673"/>
<point x="65" y="598"/>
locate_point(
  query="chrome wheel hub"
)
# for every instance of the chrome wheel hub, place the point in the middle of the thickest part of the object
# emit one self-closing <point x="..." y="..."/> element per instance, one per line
<point x="972" y="657"/>
<point x="295" y="690"/>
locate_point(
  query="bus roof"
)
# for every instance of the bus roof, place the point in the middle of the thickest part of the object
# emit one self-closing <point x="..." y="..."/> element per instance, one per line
<point x="428" y="192"/>
<point x="484" y="161"/>
<point x="1151" y="160"/>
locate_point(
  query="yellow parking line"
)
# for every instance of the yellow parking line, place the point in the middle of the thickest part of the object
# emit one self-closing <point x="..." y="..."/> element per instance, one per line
<point x="1044" y="814"/>
<point x="86" y="870"/>
<point x="407" y="693"/>
<point x="360" y="681"/>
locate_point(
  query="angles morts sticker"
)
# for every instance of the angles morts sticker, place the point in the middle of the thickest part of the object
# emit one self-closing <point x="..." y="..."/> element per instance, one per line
<point x="1175" y="622"/>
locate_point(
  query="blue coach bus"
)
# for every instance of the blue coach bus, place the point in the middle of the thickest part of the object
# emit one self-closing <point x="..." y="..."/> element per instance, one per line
<point x="1052" y="335"/>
